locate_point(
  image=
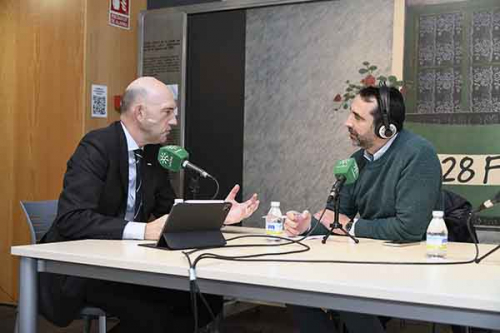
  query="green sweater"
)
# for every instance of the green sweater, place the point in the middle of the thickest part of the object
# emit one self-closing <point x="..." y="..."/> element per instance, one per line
<point x="395" y="194"/>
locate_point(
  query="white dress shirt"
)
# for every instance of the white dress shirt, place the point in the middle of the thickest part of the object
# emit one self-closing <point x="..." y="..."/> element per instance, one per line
<point x="133" y="230"/>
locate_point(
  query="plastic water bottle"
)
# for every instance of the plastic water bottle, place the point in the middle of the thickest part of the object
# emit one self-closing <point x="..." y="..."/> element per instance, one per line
<point x="274" y="220"/>
<point x="437" y="236"/>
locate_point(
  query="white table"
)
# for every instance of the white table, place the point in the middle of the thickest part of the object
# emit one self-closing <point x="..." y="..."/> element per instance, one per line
<point x="459" y="294"/>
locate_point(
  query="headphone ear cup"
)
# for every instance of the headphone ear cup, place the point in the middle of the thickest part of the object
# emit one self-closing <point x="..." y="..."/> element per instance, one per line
<point x="386" y="133"/>
<point x="380" y="128"/>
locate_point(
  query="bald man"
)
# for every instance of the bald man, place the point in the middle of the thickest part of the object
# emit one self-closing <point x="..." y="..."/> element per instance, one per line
<point x="102" y="198"/>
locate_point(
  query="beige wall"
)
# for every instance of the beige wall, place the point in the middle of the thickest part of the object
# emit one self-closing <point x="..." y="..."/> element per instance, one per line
<point x="51" y="52"/>
<point x="398" y="38"/>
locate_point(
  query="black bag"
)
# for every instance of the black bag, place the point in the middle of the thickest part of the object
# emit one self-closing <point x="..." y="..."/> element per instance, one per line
<point x="456" y="212"/>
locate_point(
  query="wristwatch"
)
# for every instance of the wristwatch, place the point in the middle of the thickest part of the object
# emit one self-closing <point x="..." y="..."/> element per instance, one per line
<point x="348" y="226"/>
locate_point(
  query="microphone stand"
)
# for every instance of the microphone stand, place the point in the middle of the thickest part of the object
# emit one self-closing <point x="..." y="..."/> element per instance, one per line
<point x="336" y="224"/>
<point x="194" y="185"/>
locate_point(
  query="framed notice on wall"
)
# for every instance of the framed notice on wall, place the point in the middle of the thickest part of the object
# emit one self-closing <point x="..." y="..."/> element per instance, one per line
<point x="119" y="13"/>
<point x="99" y="101"/>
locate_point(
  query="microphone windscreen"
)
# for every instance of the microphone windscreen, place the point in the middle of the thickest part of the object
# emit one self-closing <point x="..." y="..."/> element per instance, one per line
<point x="348" y="169"/>
<point x="172" y="157"/>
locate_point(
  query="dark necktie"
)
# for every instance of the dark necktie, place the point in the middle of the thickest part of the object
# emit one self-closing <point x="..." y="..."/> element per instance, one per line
<point x="138" y="185"/>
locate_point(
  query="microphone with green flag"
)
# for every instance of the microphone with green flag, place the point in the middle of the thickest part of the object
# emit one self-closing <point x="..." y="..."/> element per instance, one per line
<point x="346" y="172"/>
<point x="175" y="158"/>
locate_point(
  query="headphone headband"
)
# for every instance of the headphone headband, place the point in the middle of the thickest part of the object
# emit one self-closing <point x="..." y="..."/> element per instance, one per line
<point x="386" y="128"/>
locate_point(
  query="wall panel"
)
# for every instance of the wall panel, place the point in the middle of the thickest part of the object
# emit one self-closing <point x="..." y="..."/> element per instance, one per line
<point x="111" y="57"/>
<point x="47" y="121"/>
<point x="8" y="27"/>
<point x="50" y="50"/>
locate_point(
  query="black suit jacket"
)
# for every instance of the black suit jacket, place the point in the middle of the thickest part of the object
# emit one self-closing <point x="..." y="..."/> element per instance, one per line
<point x="92" y="205"/>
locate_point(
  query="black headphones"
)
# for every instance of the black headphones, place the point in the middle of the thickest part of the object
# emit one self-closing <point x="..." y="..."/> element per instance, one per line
<point x="385" y="129"/>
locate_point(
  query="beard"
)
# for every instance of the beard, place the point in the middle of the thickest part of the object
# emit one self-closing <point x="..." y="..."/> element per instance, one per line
<point x="362" y="141"/>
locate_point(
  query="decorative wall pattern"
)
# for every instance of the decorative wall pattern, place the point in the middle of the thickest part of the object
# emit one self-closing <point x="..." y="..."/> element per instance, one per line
<point x="457" y="69"/>
<point x="453" y="67"/>
<point x="485" y="59"/>
<point x="298" y="58"/>
<point x="439" y="45"/>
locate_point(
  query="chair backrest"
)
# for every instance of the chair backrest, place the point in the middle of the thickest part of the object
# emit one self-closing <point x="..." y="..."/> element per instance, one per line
<point x="456" y="214"/>
<point x="39" y="216"/>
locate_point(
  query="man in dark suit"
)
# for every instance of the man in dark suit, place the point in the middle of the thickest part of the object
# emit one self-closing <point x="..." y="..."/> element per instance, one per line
<point x="114" y="188"/>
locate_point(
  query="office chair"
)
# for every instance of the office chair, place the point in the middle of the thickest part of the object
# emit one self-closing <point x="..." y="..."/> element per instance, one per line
<point x="39" y="216"/>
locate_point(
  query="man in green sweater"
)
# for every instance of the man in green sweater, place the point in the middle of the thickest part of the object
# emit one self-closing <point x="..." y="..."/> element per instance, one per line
<point x="398" y="187"/>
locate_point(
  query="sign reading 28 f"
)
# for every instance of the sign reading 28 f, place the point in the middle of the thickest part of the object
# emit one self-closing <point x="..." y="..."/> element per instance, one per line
<point x="470" y="169"/>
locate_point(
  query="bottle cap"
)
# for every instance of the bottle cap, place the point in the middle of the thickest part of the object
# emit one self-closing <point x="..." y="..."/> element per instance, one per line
<point x="275" y="203"/>
<point x="437" y="213"/>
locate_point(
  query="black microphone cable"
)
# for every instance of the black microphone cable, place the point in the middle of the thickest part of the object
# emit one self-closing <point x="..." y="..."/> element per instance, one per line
<point x="194" y="184"/>
<point x="193" y="285"/>
<point x="192" y="294"/>
<point x="259" y="257"/>
<point x="253" y="257"/>
<point x="217" y="187"/>
<point x="215" y="256"/>
<point x="195" y="290"/>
